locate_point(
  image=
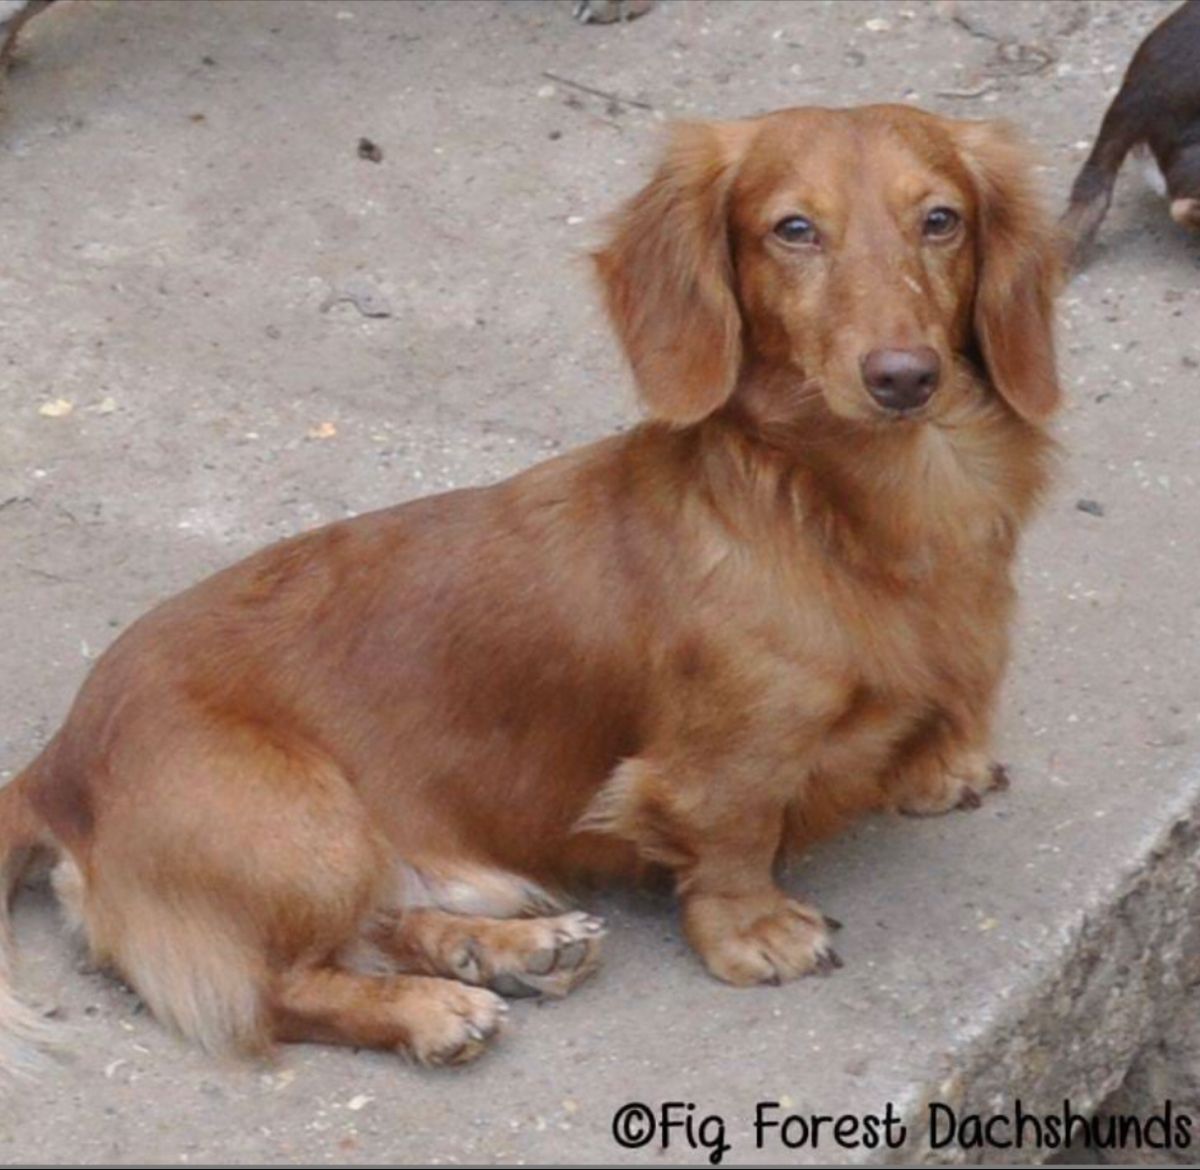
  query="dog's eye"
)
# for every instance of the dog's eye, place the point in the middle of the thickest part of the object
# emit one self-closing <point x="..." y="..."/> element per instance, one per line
<point x="941" y="222"/>
<point x="796" y="230"/>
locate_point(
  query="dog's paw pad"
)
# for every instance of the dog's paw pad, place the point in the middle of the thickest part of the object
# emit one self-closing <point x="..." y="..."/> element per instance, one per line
<point x="558" y="955"/>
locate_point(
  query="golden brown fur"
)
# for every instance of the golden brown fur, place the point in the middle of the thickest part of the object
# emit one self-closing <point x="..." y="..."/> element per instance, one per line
<point x="770" y="608"/>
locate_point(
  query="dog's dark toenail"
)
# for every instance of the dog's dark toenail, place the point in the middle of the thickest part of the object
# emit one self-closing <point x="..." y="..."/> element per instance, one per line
<point x="969" y="799"/>
<point x="831" y="923"/>
<point x="1000" y="776"/>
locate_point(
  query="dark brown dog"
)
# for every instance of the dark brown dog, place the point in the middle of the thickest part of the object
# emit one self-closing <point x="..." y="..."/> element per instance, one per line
<point x="781" y="602"/>
<point x="13" y="14"/>
<point x="1156" y="108"/>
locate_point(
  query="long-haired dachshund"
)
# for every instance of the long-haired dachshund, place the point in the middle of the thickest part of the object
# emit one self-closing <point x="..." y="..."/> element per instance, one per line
<point x="329" y="793"/>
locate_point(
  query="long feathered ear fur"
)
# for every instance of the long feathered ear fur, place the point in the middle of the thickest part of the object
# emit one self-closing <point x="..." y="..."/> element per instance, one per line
<point x="667" y="276"/>
<point x="1019" y="265"/>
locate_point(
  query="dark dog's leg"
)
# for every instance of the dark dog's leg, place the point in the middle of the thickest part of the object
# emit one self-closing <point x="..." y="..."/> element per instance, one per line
<point x="1182" y="174"/>
<point x="13" y="14"/>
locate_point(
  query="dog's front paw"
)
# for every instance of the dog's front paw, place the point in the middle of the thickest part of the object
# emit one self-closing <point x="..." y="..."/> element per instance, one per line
<point x="958" y="784"/>
<point x="759" y="939"/>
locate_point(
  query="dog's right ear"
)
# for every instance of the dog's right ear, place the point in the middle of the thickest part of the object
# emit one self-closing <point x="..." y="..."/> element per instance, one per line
<point x="1019" y="271"/>
<point x="667" y="276"/>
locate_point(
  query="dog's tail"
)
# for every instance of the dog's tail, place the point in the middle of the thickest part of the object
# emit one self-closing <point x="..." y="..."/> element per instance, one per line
<point x="23" y="1034"/>
<point x="1092" y="191"/>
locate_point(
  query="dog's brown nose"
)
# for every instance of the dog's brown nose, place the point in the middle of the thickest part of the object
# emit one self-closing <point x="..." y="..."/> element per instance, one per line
<point x="901" y="379"/>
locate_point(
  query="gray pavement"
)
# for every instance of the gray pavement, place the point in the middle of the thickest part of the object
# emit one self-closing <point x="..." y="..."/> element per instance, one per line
<point x="220" y="325"/>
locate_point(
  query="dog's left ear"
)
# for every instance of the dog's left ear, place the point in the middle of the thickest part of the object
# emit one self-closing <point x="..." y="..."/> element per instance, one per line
<point x="1019" y="265"/>
<point x="667" y="276"/>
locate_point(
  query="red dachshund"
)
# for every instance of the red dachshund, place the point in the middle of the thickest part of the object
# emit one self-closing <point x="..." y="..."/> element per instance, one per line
<point x="329" y="793"/>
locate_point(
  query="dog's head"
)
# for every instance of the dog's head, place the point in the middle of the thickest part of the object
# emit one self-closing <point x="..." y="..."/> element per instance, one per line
<point x="875" y="255"/>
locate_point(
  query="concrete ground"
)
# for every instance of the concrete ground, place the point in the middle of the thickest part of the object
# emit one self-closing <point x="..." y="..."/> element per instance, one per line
<point x="221" y="325"/>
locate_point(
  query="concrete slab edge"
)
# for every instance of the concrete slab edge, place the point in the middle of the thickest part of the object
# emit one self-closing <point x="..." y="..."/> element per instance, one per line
<point x="1122" y="974"/>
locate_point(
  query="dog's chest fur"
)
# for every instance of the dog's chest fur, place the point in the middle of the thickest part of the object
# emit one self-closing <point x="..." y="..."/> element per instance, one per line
<point x="854" y="637"/>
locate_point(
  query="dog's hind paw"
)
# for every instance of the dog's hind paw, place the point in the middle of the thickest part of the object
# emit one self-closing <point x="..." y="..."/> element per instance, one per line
<point x="558" y="954"/>
<point x="459" y="1024"/>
